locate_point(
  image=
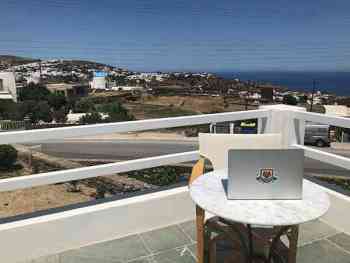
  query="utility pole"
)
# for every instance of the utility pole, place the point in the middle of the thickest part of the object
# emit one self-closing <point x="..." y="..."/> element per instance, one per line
<point x="40" y="71"/>
<point x="312" y="95"/>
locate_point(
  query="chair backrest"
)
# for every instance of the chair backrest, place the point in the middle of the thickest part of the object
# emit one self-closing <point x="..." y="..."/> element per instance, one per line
<point x="215" y="146"/>
<point x="197" y="170"/>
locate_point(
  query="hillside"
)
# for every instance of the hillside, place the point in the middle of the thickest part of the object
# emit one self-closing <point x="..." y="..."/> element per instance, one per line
<point x="10" y="60"/>
<point x="15" y="60"/>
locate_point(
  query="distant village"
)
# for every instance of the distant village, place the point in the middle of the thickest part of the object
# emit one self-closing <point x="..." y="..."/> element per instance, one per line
<point x="78" y="79"/>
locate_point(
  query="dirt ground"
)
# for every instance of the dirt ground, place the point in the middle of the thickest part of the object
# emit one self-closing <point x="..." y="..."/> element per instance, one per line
<point x="200" y="104"/>
<point x="37" y="199"/>
<point x="149" y="107"/>
<point x="40" y="198"/>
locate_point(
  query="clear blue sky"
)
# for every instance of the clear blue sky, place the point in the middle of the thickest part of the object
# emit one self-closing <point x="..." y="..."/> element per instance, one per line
<point x="215" y="35"/>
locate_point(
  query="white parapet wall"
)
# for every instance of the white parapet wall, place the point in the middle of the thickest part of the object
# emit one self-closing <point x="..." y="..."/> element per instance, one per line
<point x="339" y="211"/>
<point x="54" y="233"/>
<point x="50" y="234"/>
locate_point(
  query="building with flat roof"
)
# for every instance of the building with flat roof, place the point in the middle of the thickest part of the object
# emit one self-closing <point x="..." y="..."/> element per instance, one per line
<point x="8" y="90"/>
<point x="99" y="81"/>
<point x="69" y="90"/>
<point x="128" y="88"/>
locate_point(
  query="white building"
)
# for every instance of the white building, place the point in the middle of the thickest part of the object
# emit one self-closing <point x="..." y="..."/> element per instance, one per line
<point x="8" y="90"/>
<point x="34" y="78"/>
<point x="127" y="88"/>
<point x="99" y="81"/>
<point x="337" y="110"/>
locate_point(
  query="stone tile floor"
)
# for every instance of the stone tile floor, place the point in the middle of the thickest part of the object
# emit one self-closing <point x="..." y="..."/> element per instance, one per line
<point x="318" y="242"/>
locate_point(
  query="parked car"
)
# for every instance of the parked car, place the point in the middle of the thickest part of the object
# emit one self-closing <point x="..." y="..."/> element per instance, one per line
<point x="317" y="135"/>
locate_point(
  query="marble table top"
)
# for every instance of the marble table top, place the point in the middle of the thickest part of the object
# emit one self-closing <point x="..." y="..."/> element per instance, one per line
<point x="208" y="192"/>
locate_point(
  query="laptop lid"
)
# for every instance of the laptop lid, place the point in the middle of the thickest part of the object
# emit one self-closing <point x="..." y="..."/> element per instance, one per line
<point x="265" y="174"/>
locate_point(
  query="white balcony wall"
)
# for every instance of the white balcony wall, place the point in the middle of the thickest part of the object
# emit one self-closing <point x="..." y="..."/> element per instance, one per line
<point x="46" y="235"/>
<point x="49" y="234"/>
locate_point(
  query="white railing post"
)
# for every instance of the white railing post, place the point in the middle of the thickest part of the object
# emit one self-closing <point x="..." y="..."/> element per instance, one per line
<point x="281" y="120"/>
<point x="262" y="124"/>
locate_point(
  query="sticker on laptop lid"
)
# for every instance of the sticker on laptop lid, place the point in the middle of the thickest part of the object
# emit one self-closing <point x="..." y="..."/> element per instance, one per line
<point x="266" y="175"/>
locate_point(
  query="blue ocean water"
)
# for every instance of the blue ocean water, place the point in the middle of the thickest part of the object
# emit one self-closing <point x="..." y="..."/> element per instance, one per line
<point x="335" y="82"/>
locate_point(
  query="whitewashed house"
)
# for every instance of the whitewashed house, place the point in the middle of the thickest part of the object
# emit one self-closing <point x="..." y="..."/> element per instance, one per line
<point x="8" y="90"/>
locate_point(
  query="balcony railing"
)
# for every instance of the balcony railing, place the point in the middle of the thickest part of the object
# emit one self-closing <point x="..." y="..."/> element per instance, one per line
<point x="107" y="169"/>
<point x="52" y="233"/>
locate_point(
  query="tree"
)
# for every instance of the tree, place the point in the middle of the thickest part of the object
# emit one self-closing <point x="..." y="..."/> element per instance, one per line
<point x="290" y="100"/>
<point x="8" y="156"/>
<point x="43" y="112"/>
<point x="36" y="111"/>
<point x="91" y="118"/>
<point x="84" y="105"/>
<point x="57" y="100"/>
<point x="303" y="99"/>
<point x="9" y="110"/>
<point x="60" y="115"/>
<point x="120" y="80"/>
<point x="34" y="92"/>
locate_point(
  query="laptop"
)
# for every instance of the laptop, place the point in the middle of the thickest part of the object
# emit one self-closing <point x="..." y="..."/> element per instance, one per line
<point x="265" y="174"/>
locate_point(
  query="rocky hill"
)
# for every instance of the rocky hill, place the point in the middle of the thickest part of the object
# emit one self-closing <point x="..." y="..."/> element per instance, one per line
<point x="9" y="60"/>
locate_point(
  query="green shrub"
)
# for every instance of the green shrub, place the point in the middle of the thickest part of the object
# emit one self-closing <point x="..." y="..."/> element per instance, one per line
<point x="91" y="118"/>
<point x="160" y="176"/>
<point x="8" y="156"/>
<point x="290" y="100"/>
<point x="84" y="105"/>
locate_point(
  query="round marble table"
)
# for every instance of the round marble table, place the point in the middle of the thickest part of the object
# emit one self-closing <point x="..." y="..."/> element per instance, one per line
<point x="208" y="192"/>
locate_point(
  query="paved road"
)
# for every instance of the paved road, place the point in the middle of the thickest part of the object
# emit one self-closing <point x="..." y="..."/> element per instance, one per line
<point x="118" y="150"/>
<point x="131" y="149"/>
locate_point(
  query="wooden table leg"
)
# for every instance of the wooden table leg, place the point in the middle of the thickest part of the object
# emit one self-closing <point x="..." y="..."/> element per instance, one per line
<point x="293" y="244"/>
<point x="200" y="233"/>
<point x="292" y="233"/>
<point x="250" y="244"/>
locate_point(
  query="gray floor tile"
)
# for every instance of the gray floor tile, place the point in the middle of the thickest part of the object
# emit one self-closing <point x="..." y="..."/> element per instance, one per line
<point x="190" y="229"/>
<point x="165" y="238"/>
<point x="322" y="252"/>
<point x="175" y="256"/>
<point x="193" y="249"/>
<point x="77" y="259"/>
<point x="142" y="260"/>
<point x="314" y="230"/>
<point x="342" y="240"/>
<point x="119" y="250"/>
<point x="48" y="259"/>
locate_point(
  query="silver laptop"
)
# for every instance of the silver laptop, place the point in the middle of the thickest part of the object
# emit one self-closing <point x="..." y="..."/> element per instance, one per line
<point x="265" y="174"/>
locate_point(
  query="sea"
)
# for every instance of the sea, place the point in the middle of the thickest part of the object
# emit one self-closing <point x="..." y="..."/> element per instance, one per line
<point x="332" y="82"/>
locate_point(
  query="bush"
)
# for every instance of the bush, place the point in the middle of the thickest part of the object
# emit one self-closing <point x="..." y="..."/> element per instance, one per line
<point x="91" y="118"/>
<point x="34" y="92"/>
<point x="57" y="101"/>
<point x="9" y="110"/>
<point x="290" y="100"/>
<point x="116" y="112"/>
<point x="160" y="176"/>
<point x="84" y="105"/>
<point x="8" y="156"/>
<point x="60" y="115"/>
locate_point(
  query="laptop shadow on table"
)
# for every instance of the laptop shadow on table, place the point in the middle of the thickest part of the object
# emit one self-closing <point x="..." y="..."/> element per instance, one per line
<point x="225" y="186"/>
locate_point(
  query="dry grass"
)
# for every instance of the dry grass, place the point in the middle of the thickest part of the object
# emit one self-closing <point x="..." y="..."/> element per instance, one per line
<point x="39" y="198"/>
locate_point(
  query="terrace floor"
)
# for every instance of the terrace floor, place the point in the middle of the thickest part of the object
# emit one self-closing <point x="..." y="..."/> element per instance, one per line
<point x="318" y="242"/>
